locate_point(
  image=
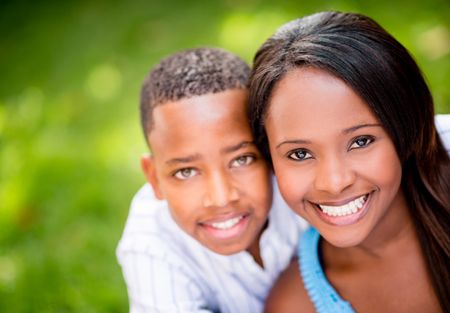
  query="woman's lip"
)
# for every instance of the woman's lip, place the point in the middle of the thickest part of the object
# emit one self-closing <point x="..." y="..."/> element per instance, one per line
<point x="340" y="202"/>
<point x="345" y="219"/>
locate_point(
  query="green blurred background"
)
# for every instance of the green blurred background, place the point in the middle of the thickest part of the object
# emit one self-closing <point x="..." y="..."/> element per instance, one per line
<point x="70" y="139"/>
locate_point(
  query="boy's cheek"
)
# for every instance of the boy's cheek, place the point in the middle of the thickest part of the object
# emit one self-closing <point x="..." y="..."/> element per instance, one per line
<point x="257" y="184"/>
<point x="183" y="200"/>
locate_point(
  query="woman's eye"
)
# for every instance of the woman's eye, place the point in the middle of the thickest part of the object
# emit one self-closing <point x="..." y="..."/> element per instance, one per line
<point x="299" y="155"/>
<point x="185" y="173"/>
<point x="242" y="160"/>
<point x="361" y="142"/>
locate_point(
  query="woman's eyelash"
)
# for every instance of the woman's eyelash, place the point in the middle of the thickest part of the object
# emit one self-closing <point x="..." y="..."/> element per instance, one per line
<point x="361" y="142"/>
<point x="299" y="155"/>
<point x="357" y="143"/>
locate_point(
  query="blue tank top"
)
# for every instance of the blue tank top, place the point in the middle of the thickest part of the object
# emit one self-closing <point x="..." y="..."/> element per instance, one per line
<point x="321" y="293"/>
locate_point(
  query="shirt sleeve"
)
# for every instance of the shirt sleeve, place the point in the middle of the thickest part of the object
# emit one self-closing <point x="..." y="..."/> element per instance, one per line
<point x="443" y="128"/>
<point x="156" y="285"/>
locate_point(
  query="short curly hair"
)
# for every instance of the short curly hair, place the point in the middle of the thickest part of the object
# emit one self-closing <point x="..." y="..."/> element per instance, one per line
<point x="189" y="73"/>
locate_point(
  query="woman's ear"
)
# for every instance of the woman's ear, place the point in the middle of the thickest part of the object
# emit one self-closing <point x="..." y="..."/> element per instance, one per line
<point x="148" y="167"/>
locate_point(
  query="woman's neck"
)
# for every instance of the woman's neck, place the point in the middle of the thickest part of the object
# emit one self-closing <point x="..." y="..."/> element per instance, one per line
<point x="387" y="271"/>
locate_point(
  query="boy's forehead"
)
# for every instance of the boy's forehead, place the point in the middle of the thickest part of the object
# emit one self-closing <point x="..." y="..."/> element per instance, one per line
<point x="199" y="110"/>
<point x="221" y="114"/>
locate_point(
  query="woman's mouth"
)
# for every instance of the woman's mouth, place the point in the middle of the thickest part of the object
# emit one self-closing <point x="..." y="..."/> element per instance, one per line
<point x="346" y="213"/>
<point x="348" y="208"/>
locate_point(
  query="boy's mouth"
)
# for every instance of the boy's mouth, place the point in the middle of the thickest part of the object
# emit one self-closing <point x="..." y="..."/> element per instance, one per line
<point x="228" y="223"/>
<point x="226" y="227"/>
<point x="345" y="209"/>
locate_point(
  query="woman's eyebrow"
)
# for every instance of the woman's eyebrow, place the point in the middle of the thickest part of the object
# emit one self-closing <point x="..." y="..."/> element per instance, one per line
<point x="356" y="127"/>
<point x="296" y="141"/>
<point x="345" y="131"/>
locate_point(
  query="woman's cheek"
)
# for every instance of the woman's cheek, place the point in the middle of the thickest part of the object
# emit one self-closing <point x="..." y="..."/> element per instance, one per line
<point x="293" y="188"/>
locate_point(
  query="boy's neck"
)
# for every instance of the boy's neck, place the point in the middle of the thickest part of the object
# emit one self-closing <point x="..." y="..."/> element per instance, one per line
<point x="255" y="250"/>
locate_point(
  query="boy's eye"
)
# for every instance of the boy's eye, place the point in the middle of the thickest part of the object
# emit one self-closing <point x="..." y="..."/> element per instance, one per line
<point x="299" y="155"/>
<point x="185" y="173"/>
<point x="242" y="160"/>
<point x="361" y="142"/>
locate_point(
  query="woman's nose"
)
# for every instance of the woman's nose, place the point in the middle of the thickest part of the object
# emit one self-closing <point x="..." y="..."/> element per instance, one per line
<point x="333" y="175"/>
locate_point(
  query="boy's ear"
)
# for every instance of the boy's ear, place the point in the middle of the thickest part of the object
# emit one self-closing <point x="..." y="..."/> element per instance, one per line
<point x="148" y="166"/>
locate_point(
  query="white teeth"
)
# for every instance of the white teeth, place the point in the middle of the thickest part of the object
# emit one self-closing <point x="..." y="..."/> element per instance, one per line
<point x="346" y="209"/>
<point x="228" y="223"/>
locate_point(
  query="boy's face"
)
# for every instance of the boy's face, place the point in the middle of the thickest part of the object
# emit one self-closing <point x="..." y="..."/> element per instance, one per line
<point x="205" y="164"/>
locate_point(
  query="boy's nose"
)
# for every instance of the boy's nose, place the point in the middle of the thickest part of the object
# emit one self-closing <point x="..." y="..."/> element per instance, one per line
<point x="333" y="176"/>
<point x="220" y="191"/>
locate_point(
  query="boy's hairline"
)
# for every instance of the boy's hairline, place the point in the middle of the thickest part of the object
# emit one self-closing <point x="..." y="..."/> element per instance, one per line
<point x="156" y="105"/>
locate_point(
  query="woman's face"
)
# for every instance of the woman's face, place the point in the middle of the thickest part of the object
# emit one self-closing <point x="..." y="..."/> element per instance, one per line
<point x="335" y="164"/>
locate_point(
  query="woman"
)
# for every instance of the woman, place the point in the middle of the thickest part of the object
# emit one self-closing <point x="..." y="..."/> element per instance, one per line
<point x="346" y="117"/>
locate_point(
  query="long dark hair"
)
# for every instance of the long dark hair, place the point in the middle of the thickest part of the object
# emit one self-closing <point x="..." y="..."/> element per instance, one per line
<point x="380" y="70"/>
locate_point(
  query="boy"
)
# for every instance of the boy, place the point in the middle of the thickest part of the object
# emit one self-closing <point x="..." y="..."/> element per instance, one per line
<point x="209" y="242"/>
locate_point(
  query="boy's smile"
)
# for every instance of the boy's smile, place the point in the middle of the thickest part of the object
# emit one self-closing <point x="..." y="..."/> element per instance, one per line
<point x="205" y="164"/>
<point x="226" y="227"/>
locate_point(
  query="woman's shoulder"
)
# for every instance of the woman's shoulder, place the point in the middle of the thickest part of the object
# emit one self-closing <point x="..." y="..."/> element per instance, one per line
<point x="288" y="293"/>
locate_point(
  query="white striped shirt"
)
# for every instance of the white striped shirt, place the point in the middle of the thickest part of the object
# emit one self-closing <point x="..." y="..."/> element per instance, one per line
<point x="166" y="270"/>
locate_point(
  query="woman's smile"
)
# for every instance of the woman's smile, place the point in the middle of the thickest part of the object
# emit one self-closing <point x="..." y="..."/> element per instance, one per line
<point x="342" y="213"/>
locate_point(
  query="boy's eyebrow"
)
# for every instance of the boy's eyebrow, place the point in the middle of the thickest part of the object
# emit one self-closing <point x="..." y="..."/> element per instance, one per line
<point x="237" y="147"/>
<point x="187" y="159"/>
<point x="196" y="157"/>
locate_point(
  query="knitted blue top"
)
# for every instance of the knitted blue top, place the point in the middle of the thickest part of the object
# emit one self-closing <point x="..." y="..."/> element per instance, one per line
<point x="321" y="293"/>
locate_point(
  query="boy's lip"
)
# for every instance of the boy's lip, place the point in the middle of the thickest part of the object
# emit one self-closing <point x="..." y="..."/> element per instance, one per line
<point x="226" y="226"/>
<point x="222" y="218"/>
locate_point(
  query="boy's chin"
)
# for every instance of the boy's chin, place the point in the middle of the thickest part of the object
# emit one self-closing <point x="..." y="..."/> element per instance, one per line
<point x="227" y="250"/>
